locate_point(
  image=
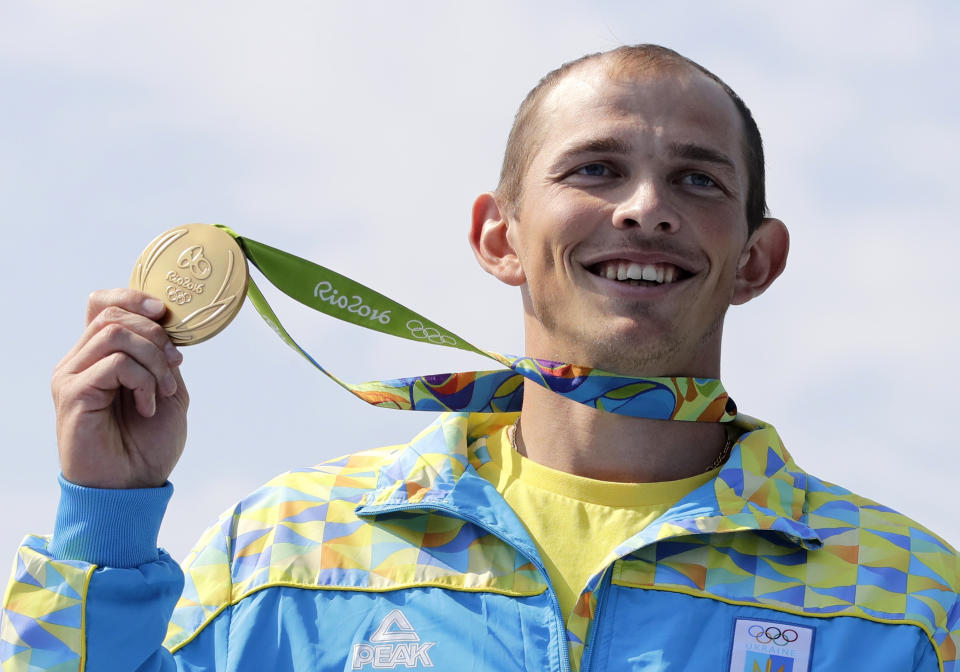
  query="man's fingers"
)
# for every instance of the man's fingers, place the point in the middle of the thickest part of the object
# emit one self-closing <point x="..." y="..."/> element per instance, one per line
<point x="101" y="381"/>
<point x="136" y="321"/>
<point x="181" y="387"/>
<point x="130" y="300"/>
<point x="119" y="338"/>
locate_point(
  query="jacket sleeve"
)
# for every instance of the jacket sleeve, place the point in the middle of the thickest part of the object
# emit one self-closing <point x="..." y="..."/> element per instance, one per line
<point x="99" y="594"/>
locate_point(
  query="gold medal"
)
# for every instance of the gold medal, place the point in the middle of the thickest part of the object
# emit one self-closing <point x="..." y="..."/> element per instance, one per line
<point x="200" y="273"/>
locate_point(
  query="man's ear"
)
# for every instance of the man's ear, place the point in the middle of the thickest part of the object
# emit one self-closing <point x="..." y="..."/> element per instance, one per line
<point x="490" y="235"/>
<point x="763" y="259"/>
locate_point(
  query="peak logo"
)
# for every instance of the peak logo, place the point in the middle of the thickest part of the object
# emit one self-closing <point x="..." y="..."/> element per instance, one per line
<point x="394" y="643"/>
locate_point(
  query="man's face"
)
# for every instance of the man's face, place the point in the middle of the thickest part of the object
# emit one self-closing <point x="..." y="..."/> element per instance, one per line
<point x="632" y="221"/>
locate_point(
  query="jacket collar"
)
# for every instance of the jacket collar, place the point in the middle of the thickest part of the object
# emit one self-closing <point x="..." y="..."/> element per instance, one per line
<point x="760" y="488"/>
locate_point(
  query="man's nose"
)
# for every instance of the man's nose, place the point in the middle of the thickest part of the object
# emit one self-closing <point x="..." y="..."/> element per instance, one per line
<point x="646" y="206"/>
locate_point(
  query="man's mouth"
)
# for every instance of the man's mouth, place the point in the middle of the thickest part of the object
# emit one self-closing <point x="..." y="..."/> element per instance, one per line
<point x="633" y="273"/>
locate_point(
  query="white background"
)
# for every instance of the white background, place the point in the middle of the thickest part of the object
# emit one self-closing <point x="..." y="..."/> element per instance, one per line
<point x="358" y="133"/>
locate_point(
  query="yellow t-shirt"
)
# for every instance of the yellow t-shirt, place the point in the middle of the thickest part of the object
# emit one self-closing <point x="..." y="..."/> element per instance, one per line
<point x="574" y="521"/>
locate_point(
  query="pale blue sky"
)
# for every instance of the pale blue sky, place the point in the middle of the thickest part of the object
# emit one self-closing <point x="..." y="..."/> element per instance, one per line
<point x="358" y="133"/>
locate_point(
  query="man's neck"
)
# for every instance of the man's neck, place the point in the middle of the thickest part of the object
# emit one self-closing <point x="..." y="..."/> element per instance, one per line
<point x="563" y="434"/>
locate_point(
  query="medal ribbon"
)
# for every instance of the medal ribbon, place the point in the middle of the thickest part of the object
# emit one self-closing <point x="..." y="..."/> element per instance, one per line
<point x="500" y="390"/>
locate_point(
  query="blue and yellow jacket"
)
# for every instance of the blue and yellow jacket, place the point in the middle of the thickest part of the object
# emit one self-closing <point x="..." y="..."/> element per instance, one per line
<point x="404" y="558"/>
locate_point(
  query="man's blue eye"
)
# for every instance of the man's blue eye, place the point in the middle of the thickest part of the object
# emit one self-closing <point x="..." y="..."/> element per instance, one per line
<point x="593" y="170"/>
<point x="699" y="180"/>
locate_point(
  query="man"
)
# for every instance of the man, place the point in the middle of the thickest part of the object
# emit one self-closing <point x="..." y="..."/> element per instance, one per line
<point x="631" y="214"/>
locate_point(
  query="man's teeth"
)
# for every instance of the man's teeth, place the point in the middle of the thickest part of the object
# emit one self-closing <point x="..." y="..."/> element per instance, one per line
<point x="627" y="270"/>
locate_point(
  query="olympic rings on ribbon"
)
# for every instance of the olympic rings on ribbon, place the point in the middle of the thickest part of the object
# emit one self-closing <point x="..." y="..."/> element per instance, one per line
<point x="773" y="635"/>
<point x="418" y="330"/>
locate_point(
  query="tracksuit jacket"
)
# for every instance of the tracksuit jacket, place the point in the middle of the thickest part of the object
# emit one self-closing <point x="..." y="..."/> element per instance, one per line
<point x="404" y="558"/>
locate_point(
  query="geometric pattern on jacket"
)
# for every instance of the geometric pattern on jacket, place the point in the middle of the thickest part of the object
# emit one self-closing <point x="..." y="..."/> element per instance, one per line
<point x="811" y="548"/>
<point x="820" y="550"/>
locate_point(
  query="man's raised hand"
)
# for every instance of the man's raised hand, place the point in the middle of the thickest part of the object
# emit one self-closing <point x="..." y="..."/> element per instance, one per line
<point x="120" y="400"/>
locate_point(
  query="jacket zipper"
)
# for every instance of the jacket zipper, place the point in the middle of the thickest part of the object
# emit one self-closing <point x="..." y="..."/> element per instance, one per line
<point x="601" y="598"/>
<point x="557" y="615"/>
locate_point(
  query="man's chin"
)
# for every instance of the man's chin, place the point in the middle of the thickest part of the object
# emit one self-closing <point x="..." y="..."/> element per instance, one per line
<point x="638" y="364"/>
<point x="630" y="357"/>
<point x="632" y="345"/>
<point x="644" y="346"/>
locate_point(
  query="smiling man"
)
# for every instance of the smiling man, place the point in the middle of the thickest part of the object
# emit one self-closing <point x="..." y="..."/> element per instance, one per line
<point x="625" y="224"/>
<point x="630" y="213"/>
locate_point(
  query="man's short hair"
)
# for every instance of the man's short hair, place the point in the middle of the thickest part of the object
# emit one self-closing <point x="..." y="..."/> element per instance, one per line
<point x="525" y="138"/>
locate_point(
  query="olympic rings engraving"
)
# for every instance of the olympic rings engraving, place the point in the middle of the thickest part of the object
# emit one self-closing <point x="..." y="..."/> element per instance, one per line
<point x="193" y="258"/>
<point x="773" y="635"/>
<point x="178" y="296"/>
<point x="418" y="330"/>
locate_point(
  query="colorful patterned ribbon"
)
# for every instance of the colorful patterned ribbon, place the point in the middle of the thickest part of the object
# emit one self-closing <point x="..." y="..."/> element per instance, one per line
<point x="501" y="390"/>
